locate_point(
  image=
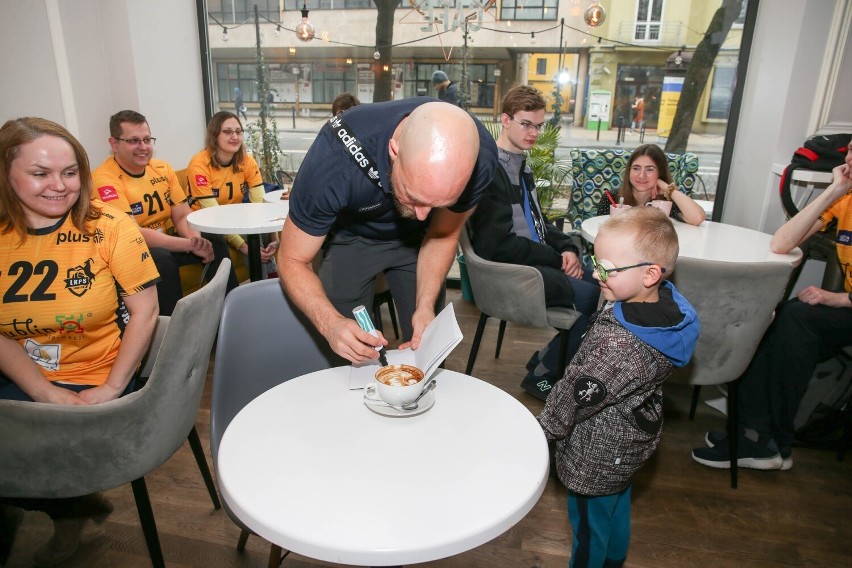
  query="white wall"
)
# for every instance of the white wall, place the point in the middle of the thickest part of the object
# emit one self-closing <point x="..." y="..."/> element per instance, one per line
<point x="79" y="61"/>
<point x="30" y="83"/>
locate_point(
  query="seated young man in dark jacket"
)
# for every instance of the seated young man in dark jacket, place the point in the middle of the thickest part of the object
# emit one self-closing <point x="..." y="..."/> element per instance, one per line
<point x="508" y="226"/>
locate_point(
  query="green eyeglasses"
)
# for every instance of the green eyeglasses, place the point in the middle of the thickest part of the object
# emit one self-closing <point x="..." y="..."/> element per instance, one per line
<point x="603" y="272"/>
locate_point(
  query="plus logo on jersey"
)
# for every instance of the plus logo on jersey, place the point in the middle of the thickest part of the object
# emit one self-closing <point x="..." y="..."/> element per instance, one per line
<point x="201" y="180"/>
<point x="107" y="193"/>
<point x="80" y="278"/>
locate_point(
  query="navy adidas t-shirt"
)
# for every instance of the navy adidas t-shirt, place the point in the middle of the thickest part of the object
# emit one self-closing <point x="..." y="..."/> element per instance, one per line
<point x="332" y="194"/>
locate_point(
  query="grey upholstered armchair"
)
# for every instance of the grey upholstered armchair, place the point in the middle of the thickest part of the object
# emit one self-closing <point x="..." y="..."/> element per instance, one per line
<point x="264" y="341"/>
<point x="735" y="302"/>
<point x="51" y="450"/>
<point x="511" y="292"/>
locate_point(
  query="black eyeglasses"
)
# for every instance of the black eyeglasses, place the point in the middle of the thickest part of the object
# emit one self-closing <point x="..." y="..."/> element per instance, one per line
<point x="229" y="132"/>
<point x="137" y="141"/>
<point x="603" y="272"/>
<point x="527" y="125"/>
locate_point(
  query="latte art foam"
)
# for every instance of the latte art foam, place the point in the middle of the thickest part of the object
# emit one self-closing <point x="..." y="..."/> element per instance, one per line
<point x="399" y="375"/>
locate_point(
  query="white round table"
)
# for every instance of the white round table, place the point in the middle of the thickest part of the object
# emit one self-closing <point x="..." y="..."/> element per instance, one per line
<point x="309" y="467"/>
<point x="250" y="219"/>
<point x="275" y="196"/>
<point x="714" y="241"/>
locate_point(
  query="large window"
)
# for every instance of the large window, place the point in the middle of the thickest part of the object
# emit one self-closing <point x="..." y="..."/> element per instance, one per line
<point x="648" y="17"/>
<point x="529" y="9"/>
<point x="644" y="53"/>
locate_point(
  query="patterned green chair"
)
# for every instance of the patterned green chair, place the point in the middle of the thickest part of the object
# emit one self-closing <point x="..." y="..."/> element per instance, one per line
<point x="594" y="170"/>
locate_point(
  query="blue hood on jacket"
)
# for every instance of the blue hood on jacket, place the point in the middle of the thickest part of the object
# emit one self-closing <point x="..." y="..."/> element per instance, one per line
<point x="676" y="342"/>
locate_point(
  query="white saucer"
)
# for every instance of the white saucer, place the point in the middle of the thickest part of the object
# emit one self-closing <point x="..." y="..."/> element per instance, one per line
<point x="380" y="407"/>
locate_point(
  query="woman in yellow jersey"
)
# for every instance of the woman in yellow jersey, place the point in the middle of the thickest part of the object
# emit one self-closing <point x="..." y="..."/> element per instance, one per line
<point x="77" y="295"/>
<point x="224" y="173"/>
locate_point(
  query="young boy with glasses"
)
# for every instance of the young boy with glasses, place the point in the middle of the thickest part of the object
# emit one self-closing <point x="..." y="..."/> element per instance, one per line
<point x="606" y="416"/>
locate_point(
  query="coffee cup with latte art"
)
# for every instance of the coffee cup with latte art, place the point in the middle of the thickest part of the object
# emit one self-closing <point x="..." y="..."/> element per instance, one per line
<point x="396" y="385"/>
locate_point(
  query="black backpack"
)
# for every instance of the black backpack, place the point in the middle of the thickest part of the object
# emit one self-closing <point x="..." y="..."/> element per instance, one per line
<point x="821" y="153"/>
<point x="823" y="416"/>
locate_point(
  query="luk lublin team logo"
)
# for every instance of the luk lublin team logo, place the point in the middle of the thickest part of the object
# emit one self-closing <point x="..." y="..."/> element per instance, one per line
<point x="80" y="278"/>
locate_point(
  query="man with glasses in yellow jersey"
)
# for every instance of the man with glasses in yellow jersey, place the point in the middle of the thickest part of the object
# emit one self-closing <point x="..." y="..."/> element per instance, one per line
<point x="148" y="190"/>
<point x="509" y="226"/>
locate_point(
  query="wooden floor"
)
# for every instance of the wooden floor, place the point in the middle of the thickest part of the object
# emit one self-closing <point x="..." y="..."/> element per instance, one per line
<point x="684" y="514"/>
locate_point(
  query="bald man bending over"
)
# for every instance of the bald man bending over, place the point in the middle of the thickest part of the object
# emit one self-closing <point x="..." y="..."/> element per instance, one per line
<point x="385" y="187"/>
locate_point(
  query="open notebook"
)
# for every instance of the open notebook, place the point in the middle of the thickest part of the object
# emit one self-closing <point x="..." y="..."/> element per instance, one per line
<point x="439" y="339"/>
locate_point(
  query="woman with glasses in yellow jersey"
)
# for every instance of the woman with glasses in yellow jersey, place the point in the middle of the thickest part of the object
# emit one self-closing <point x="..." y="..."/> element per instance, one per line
<point x="649" y="180"/>
<point x="225" y="173"/>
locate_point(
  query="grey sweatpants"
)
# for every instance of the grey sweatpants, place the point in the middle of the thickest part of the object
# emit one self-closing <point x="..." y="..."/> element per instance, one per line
<point x="348" y="271"/>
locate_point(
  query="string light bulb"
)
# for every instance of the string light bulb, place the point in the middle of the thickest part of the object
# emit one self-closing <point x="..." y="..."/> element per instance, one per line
<point x="305" y="31"/>
<point x="224" y="33"/>
<point x="595" y="15"/>
<point x="532" y="38"/>
<point x="277" y="31"/>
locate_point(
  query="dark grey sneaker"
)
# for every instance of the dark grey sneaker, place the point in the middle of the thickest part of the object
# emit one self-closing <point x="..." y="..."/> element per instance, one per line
<point x="749" y="454"/>
<point x="713" y="439"/>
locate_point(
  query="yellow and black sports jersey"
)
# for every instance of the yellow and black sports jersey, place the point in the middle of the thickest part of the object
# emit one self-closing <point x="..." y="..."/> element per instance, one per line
<point x="226" y="185"/>
<point x="61" y="293"/>
<point x="842" y="211"/>
<point x="148" y="197"/>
